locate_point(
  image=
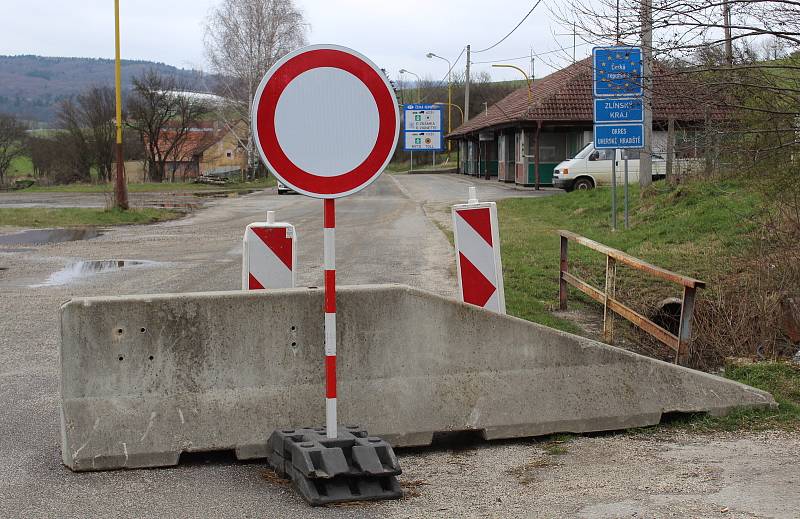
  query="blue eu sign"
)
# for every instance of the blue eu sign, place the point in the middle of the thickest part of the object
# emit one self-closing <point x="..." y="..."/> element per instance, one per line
<point x="617" y="71"/>
<point x="618" y="110"/>
<point x="610" y="136"/>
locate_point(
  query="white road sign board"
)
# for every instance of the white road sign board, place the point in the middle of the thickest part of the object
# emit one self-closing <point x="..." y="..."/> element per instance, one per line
<point x="422" y="127"/>
<point x="423" y="120"/>
<point x="423" y="140"/>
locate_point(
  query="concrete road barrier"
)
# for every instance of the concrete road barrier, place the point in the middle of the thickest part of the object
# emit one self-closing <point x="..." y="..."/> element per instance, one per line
<point x="145" y="378"/>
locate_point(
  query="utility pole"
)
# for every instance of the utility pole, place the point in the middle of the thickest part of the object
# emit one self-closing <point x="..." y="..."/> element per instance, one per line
<point x="532" y="66"/>
<point x="646" y="158"/>
<point x="120" y="187"/>
<point x="574" y="40"/>
<point x="251" y="170"/>
<point x="670" y="173"/>
<point x="466" y="89"/>
<point x="726" y="13"/>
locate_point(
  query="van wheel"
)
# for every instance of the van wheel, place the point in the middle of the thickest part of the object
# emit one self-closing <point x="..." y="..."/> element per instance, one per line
<point x="583" y="184"/>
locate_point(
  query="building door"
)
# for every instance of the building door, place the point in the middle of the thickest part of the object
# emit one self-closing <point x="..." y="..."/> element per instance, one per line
<point x="521" y="164"/>
<point x="501" y="157"/>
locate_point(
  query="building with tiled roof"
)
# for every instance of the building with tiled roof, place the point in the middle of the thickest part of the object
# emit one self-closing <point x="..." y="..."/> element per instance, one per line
<point x="204" y="147"/>
<point x="527" y="133"/>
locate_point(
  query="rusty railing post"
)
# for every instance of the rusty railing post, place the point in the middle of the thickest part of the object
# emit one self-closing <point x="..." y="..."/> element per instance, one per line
<point x="608" y="315"/>
<point x="685" y="326"/>
<point x="564" y="267"/>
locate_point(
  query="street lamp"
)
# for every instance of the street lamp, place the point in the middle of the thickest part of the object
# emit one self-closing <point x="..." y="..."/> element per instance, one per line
<point x="449" y="95"/>
<point x="460" y="111"/>
<point x="404" y="71"/>
<point x="527" y="79"/>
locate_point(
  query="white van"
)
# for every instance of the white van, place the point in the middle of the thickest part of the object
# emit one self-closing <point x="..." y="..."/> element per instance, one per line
<point x="592" y="168"/>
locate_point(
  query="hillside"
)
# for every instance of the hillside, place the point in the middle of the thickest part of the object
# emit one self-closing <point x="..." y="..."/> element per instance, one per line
<point x="32" y="86"/>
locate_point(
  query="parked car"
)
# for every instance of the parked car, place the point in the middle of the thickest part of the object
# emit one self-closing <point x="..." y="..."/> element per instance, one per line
<point x="591" y="168"/>
<point x="283" y="188"/>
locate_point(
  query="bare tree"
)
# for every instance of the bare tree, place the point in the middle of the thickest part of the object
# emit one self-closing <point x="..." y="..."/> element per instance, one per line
<point x="98" y="109"/>
<point x="243" y="39"/>
<point x="163" y="114"/>
<point x="12" y="133"/>
<point x="43" y="155"/>
<point x="89" y="122"/>
<point x="740" y="57"/>
<point x="56" y="159"/>
<point x="681" y="28"/>
<point x="76" y="138"/>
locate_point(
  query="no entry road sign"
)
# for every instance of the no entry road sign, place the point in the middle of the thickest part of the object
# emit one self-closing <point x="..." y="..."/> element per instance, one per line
<point x="325" y="121"/>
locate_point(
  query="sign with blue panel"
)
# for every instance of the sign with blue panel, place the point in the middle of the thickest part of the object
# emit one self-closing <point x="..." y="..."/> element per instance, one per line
<point x="610" y="136"/>
<point x="622" y="110"/>
<point x="422" y="127"/>
<point x="617" y="71"/>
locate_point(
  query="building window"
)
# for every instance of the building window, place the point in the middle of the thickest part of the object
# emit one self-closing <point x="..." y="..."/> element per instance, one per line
<point x="229" y="154"/>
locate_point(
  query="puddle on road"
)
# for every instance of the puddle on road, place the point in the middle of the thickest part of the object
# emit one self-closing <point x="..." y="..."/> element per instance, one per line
<point x="43" y="236"/>
<point x="85" y="269"/>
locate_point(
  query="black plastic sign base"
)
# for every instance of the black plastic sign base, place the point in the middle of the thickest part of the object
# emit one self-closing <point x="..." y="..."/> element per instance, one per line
<point x="351" y="467"/>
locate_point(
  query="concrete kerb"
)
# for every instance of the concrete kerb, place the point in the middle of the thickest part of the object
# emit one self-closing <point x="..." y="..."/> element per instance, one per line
<point x="145" y="378"/>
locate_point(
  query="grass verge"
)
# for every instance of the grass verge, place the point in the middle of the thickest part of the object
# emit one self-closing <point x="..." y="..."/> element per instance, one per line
<point x="152" y="187"/>
<point x="71" y="216"/>
<point x="696" y="229"/>
<point x="688" y="229"/>
<point x="780" y="379"/>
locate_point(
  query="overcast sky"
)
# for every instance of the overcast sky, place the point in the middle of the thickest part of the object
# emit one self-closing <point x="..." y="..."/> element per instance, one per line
<point x="171" y="31"/>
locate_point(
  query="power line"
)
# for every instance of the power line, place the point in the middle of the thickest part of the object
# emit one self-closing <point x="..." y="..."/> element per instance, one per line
<point x="512" y="30"/>
<point x="528" y="56"/>
<point x="500" y="60"/>
<point x="455" y="62"/>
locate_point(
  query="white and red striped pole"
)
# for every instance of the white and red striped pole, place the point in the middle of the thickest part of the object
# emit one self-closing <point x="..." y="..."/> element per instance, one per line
<point x="329" y="246"/>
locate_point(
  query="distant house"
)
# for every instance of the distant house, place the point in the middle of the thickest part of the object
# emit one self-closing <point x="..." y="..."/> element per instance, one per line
<point x="205" y="147"/>
<point x="524" y="136"/>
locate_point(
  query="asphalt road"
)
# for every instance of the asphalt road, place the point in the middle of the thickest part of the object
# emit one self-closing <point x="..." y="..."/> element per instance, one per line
<point x="384" y="234"/>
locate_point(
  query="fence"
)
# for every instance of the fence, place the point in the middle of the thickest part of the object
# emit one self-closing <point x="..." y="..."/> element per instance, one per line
<point x="679" y="343"/>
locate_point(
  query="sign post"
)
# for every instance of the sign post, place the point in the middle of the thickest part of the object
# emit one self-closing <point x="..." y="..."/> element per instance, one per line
<point x="618" y="109"/>
<point x="325" y="122"/>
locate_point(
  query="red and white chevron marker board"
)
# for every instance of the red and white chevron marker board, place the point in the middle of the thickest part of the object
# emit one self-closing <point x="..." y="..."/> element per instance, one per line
<point x="269" y="255"/>
<point x="325" y="122"/>
<point x="477" y="240"/>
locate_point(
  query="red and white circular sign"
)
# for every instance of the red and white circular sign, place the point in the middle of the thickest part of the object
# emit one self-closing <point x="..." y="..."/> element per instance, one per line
<point x="325" y="121"/>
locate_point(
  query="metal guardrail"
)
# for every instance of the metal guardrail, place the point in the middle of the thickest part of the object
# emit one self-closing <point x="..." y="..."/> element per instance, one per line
<point x="679" y="343"/>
